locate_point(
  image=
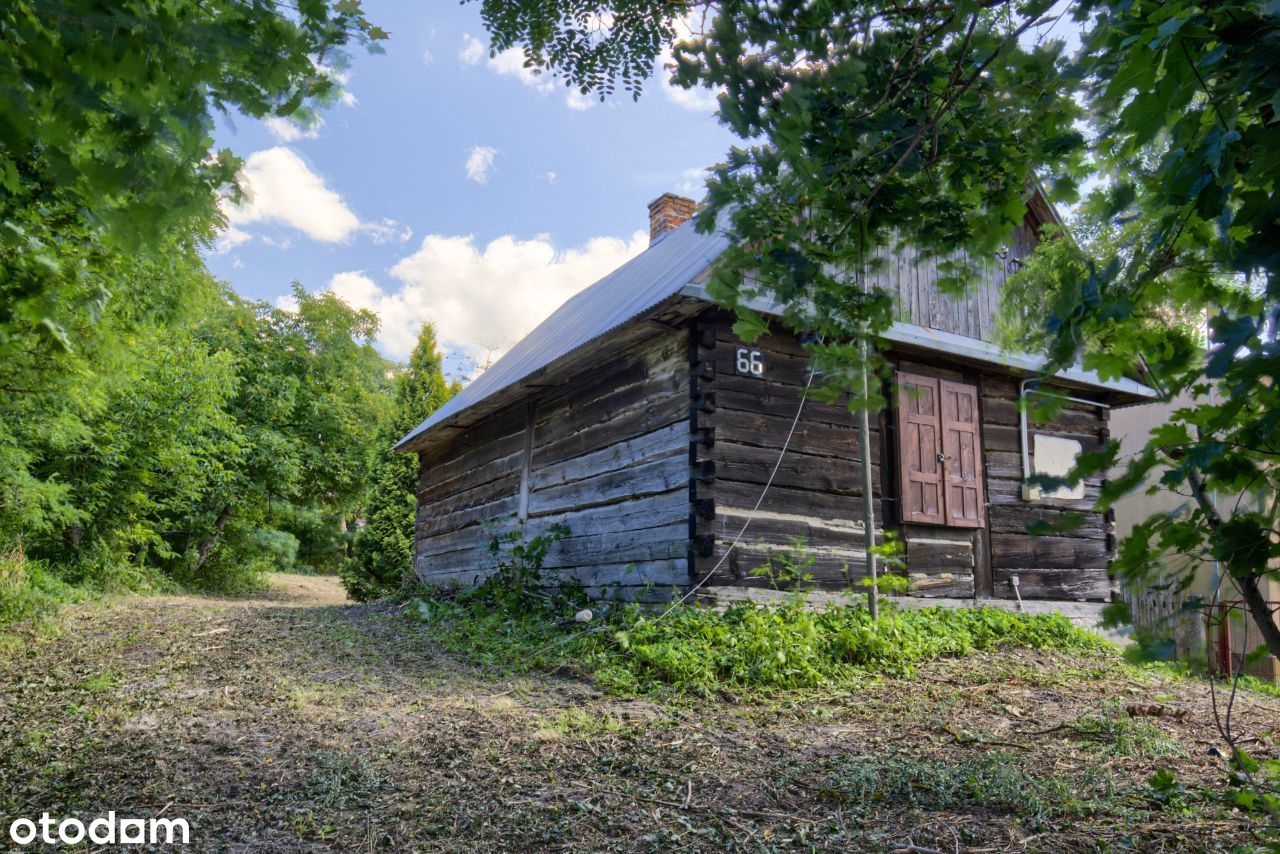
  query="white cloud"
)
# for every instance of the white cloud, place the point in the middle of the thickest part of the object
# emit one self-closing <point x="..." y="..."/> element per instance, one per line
<point x="387" y="230"/>
<point x="549" y="177"/>
<point x="357" y="290"/>
<point x="230" y="239"/>
<point x="510" y="63"/>
<point x="480" y="162"/>
<point x="236" y="263"/>
<point x="472" y="52"/>
<point x="342" y="78"/>
<point x="288" y="130"/>
<point x="277" y="242"/>
<point x="482" y="298"/>
<point x="578" y="101"/>
<point x="428" y="57"/>
<point x="697" y="100"/>
<point x="281" y="188"/>
<point x="693" y="183"/>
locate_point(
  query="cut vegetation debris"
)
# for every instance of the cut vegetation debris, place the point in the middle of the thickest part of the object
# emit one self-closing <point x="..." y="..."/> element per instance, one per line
<point x="296" y="722"/>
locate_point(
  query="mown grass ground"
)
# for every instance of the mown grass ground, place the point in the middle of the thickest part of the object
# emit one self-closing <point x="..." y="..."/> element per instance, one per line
<point x="296" y="722"/>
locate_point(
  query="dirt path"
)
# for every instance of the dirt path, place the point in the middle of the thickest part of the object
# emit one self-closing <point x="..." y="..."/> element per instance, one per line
<point x="296" y="722"/>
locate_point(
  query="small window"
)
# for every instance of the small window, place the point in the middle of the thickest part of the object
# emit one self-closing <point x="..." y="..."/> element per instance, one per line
<point x="1054" y="456"/>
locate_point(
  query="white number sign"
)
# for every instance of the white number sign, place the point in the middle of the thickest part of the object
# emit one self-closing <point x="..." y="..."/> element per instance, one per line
<point x="749" y="362"/>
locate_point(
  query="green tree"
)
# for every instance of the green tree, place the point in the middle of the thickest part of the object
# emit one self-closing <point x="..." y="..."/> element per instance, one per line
<point x="313" y="394"/>
<point x="869" y="124"/>
<point x="153" y="426"/>
<point x="383" y="552"/>
<point x="106" y="118"/>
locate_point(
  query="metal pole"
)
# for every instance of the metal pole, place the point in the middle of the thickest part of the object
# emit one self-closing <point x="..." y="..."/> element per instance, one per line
<point x="868" y="507"/>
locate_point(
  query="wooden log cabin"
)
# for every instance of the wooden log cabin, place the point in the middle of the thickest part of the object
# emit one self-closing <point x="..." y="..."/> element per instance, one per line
<point x="636" y="418"/>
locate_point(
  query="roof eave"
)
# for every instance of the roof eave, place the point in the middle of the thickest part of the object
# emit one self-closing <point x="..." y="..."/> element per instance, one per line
<point x="976" y="351"/>
<point x="420" y="441"/>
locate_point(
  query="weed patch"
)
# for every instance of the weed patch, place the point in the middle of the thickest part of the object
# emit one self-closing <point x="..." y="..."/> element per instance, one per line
<point x="1121" y="735"/>
<point x="27" y="590"/>
<point x="339" y="780"/>
<point x="746" y="648"/>
<point x="992" y="781"/>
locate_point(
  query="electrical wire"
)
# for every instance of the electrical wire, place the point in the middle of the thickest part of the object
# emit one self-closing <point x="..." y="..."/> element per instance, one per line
<point x="804" y="395"/>
<point x="750" y="516"/>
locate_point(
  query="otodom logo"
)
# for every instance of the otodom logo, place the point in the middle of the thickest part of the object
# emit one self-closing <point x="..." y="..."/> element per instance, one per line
<point x="107" y="830"/>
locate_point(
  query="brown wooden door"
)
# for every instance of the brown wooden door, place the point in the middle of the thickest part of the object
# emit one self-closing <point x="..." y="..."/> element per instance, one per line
<point x="962" y="454"/>
<point x="939" y="452"/>
<point x="919" y="449"/>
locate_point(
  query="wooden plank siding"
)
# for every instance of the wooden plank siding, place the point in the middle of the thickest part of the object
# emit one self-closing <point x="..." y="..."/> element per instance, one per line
<point x="1068" y="565"/>
<point x="604" y="451"/>
<point x="912" y="281"/>
<point x="655" y="451"/>
<point x="740" y="425"/>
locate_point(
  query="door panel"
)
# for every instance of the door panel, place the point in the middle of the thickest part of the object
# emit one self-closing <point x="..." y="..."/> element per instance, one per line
<point x="918" y="425"/>
<point x="962" y="456"/>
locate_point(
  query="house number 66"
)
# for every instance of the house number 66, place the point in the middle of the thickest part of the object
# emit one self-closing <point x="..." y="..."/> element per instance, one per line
<point x="749" y="362"/>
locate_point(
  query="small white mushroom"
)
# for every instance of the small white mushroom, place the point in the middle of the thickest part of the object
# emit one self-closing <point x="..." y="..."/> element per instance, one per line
<point x="583" y="616"/>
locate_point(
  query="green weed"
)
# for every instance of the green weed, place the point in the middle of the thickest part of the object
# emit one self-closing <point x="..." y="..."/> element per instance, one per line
<point x="992" y="780"/>
<point x="339" y="780"/>
<point x="27" y="590"/>
<point x="100" y="683"/>
<point x="1122" y="735"/>
<point x="745" y="648"/>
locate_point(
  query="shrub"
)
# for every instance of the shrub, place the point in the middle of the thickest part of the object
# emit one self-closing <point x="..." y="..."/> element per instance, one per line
<point x="515" y="583"/>
<point x="27" y="591"/>
<point x="747" y="647"/>
<point x="279" y="549"/>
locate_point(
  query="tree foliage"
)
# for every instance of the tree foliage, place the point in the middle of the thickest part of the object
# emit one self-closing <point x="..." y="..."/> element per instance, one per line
<point x="153" y="426"/>
<point x="866" y="125"/>
<point x="383" y="551"/>
<point x="187" y="444"/>
<point x="106" y="119"/>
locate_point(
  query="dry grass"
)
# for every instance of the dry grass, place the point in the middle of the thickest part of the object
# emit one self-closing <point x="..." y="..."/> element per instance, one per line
<point x="296" y="722"/>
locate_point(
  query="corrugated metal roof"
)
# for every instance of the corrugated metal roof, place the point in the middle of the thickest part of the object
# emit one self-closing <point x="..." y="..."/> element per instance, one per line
<point x="654" y="275"/>
<point x="668" y="269"/>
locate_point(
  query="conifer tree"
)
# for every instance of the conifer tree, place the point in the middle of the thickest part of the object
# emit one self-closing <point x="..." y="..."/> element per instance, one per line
<point x="383" y="549"/>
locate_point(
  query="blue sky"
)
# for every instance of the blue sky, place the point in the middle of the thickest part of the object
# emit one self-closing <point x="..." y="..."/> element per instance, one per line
<point x="452" y="187"/>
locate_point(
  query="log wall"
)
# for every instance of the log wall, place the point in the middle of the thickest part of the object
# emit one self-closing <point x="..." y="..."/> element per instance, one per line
<point x="656" y="456"/>
<point x="740" y="425"/>
<point x="604" y="452"/>
<point x="1072" y="564"/>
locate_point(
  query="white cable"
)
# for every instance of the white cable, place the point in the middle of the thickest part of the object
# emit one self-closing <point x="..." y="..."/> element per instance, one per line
<point x="750" y="516"/>
<point x="746" y="523"/>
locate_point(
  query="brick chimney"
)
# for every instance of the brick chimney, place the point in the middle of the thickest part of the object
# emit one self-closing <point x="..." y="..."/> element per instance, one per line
<point x="667" y="213"/>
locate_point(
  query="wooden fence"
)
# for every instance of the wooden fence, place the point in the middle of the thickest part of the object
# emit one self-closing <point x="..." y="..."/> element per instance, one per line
<point x="1221" y="637"/>
<point x="1174" y="617"/>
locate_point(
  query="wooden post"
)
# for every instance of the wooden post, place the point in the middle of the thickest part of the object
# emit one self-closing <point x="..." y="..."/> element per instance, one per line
<point x="526" y="463"/>
<point x="868" y="505"/>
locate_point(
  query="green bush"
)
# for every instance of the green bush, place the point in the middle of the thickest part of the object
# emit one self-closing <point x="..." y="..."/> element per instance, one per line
<point x="27" y="591"/>
<point x="746" y="647"/>
<point x="279" y="549"/>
